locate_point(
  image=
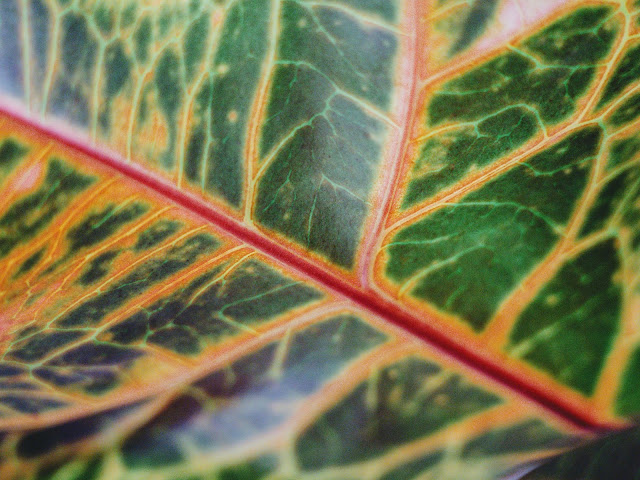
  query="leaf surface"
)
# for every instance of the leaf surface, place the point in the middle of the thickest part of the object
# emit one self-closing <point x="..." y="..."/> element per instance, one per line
<point x="314" y="239"/>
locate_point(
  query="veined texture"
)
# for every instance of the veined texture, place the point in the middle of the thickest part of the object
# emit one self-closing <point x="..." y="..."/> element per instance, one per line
<point x="315" y="238"/>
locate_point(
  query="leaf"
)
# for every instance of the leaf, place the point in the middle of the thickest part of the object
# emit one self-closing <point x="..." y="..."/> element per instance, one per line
<point x="314" y="239"/>
<point x="138" y="338"/>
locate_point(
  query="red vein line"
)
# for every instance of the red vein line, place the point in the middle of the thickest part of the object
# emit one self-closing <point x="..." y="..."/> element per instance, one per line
<point x="366" y="299"/>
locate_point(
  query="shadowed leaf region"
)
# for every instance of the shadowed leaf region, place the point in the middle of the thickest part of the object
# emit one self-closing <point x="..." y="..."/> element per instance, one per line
<point x="325" y="128"/>
<point x="402" y="412"/>
<point x="254" y="396"/>
<point x="613" y="456"/>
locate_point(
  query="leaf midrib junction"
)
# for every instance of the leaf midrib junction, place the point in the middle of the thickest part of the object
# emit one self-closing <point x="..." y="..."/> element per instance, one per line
<point x="486" y="363"/>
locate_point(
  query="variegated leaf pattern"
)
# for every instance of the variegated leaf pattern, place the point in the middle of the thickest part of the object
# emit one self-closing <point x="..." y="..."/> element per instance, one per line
<point x="214" y="289"/>
<point x="513" y="218"/>
<point x="109" y="290"/>
<point x="215" y="96"/>
<point x="339" y="398"/>
<point x="138" y="339"/>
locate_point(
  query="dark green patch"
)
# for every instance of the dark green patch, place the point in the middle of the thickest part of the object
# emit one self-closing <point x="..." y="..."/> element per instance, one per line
<point x="405" y="409"/>
<point x="29" y="263"/>
<point x="317" y="188"/>
<point x="411" y="470"/>
<point x="569" y="327"/>
<point x="104" y="18"/>
<point x="361" y="65"/>
<point x="195" y="42"/>
<point x="466" y="257"/>
<point x="70" y="95"/>
<point x="626" y="73"/>
<point x="94" y="379"/>
<point x="196" y="147"/>
<point x="98" y="267"/>
<point x="450" y="156"/>
<point x="530" y="435"/>
<point x="143" y="37"/>
<point x="253" y="292"/>
<point x="11" y="152"/>
<point x="91" y="469"/>
<point x="226" y="101"/>
<point x="582" y="38"/>
<point x="77" y="53"/>
<point x="117" y="69"/>
<point x="623" y="151"/>
<point x="609" y="200"/>
<point x="325" y="146"/>
<point x="356" y="59"/>
<point x="179" y="339"/>
<point x="140" y="279"/>
<point x="130" y="330"/>
<point x="169" y="87"/>
<point x="129" y="15"/>
<point x="165" y="20"/>
<point x="252" y="470"/>
<point x="41" y="345"/>
<point x="29" y="215"/>
<point x="99" y="226"/>
<point x="94" y="354"/>
<point x="211" y="310"/>
<point x="156" y="234"/>
<point x="143" y="109"/>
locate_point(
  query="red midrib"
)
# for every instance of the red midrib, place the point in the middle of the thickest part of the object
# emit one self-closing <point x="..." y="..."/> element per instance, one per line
<point x="367" y="299"/>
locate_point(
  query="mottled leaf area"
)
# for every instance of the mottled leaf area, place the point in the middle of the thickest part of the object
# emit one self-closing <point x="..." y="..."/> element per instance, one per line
<point x="137" y="340"/>
<point x="511" y="215"/>
<point x="107" y="289"/>
<point x="517" y="220"/>
<point x="277" y="110"/>
<point x="473" y="163"/>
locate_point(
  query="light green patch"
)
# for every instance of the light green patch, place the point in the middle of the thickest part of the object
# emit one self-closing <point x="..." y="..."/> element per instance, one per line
<point x="413" y="398"/>
<point x="468" y="256"/>
<point x="569" y="327"/>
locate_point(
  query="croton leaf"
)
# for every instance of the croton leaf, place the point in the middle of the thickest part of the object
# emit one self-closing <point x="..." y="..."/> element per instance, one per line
<point x="315" y="239"/>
